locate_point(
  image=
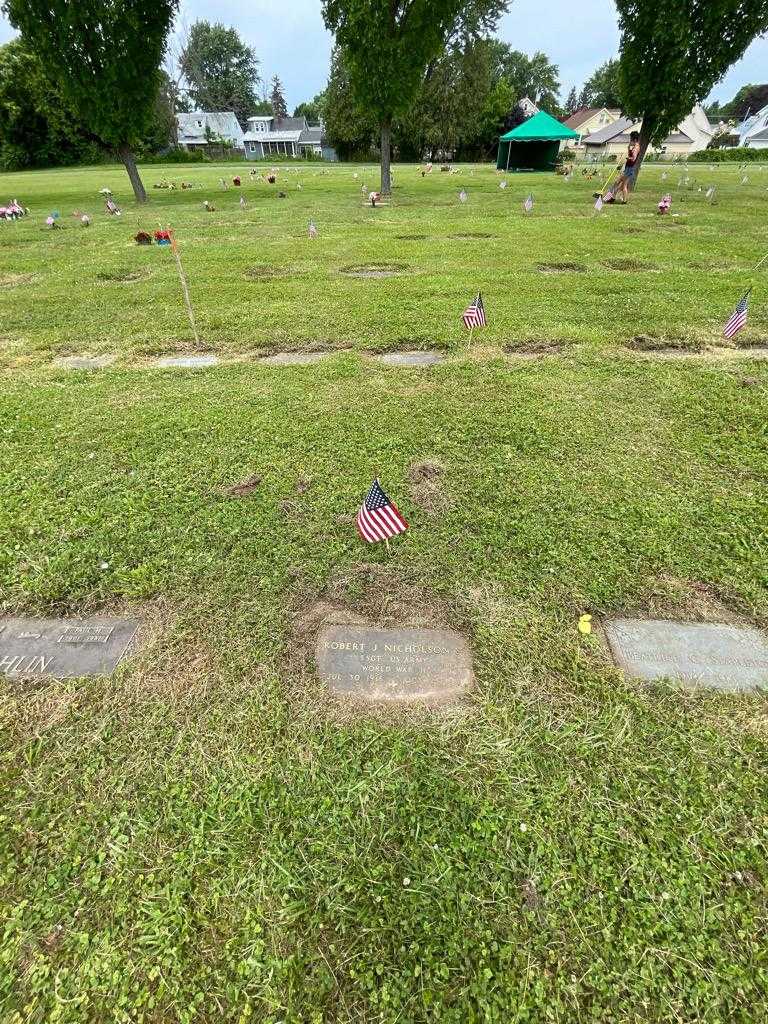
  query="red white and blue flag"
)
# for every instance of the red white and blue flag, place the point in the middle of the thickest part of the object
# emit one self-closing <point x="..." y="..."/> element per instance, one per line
<point x="738" y="317"/>
<point x="379" y="518"/>
<point x="474" y="315"/>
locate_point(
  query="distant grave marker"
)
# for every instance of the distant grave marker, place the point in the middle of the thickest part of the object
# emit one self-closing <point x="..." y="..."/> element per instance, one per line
<point x="719" y="657"/>
<point x="189" y="362"/>
<point x="394" y="665"/>
<point x="293" y="358"/>
<point x="411" y="358"/>
<point x="63" y="647"/>
<point x="84" y="362"/>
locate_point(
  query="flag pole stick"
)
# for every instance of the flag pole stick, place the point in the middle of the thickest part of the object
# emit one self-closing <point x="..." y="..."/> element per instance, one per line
<point x="184" y="287"/>
<point x="389" y="549"/>
<point x="762" y="261"/>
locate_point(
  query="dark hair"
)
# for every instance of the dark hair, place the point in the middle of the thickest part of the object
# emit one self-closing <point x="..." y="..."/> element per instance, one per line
<point x="634" y="136"/>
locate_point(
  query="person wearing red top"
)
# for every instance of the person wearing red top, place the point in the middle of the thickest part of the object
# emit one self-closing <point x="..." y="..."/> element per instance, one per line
<point x="629" y="173"/>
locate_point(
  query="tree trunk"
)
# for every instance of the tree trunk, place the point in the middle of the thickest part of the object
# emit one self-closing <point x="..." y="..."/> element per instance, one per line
<point x="386" y="156"/>
<point x="645" y="138"/>
<point x="133" y="173"/>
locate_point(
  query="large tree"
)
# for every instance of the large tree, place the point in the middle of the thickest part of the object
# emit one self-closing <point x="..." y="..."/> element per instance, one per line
<point x="458" y="108"/>
<point x="748" y="100"/>
<point x="277" y="99"/>
<point x="571" y="102"/>
<point x="36" y="129"/>
<point x="221" y="70"/>
<point x="672" y="54"/>
<point x="602" y="89"/>
<point x="312" y="109"/>
<point x="389" y="44"/>
<point x="350" y="129"/>
<point x="535" y="77"/>
<point x="104" y="56"/>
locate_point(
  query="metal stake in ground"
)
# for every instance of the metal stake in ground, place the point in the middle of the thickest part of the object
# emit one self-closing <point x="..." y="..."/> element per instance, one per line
<point x="184" y="286"/>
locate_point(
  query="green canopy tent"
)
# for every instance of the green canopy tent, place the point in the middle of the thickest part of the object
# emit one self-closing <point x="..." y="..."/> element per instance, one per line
<point x="533" y="145"/>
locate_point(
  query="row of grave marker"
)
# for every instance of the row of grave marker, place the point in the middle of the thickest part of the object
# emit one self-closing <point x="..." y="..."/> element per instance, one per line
<point x="408" y="665"/>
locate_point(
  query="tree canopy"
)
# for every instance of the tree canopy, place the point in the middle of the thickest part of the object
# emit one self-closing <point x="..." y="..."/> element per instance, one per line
<point x="36" y="129"/>
<point x="389" y="46"/>
<point x="276" y="98"/>
<point x="673" y="54"/>
<point x="104" y="57"/>
<point x="221" y="70"/>
<point x="312" y="109"/>
<point x="602" y="89"/>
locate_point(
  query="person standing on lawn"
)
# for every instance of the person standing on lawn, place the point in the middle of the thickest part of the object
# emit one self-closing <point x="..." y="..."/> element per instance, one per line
<point x="627" y="176"/>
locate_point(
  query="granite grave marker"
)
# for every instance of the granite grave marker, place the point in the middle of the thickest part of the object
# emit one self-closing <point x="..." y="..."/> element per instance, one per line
<point x="697" y="654"/>
<point x="63" y="647"/>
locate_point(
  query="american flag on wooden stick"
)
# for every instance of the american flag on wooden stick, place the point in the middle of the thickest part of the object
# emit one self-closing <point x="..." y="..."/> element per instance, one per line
<point x="379" y="518"/>
<point x="738" y="318"/>
<point x="528" y="204"/>
<point x="474" y="315"/>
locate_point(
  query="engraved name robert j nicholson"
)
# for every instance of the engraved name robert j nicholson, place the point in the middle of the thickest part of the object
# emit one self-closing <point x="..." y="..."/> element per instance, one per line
<point x="337" y="645"/>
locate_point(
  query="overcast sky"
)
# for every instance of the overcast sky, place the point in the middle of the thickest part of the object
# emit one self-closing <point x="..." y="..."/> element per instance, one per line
<point x="291" y="41"/>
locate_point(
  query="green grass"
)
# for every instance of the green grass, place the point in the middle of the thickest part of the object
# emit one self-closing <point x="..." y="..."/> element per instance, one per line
<point x="203" y="837"/>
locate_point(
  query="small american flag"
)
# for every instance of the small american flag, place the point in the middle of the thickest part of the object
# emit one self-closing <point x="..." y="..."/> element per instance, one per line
<point x="710" y="191"/>
<point x="528" y="204"/>
<point x="379" y="517"/>
<point x="599" y="204"/>
<point x="738" y="317"/>
<point x="312" y="229"/>
<point x="243" y="202"/>
<point x="474" y="314"/>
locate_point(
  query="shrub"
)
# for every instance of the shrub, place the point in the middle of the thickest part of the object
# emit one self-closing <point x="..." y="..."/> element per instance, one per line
<point x="739" y="155"/>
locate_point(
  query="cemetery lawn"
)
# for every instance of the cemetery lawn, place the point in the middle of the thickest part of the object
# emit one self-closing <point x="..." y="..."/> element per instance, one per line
<point x="204" y="836"/>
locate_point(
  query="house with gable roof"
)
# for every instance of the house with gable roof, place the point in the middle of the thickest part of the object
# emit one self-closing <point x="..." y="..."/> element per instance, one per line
<point x="202" y="128"/>
<point x="586" y="120"/>
<point x="287" y="137"/>
<point x="753" y="131"/>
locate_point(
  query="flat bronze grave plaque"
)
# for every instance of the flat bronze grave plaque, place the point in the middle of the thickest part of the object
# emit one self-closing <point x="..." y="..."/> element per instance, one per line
<point x="696" y="654"/>
<point x="395" y="665"/>
<point x="63" y="647"/>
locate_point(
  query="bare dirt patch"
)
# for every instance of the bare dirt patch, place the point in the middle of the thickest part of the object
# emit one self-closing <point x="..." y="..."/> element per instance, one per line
<point x="10" y="280"/>
<point x="425" y="486"/>
<point x="469" y="235"/>
<point x="364" y="594"/>
<point x="535" y="347"/>
<point x="375" y="270"/>
<point x="563" y="267"/>
<point x="628" y="264"/>
<point x="660" y="343"/>
<point x="411" y="238"/>
<point x="245" y="488"/>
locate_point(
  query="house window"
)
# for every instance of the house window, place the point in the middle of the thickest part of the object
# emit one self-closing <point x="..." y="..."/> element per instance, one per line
<point x="199" y="124"/>
<point x="252" y="147"/>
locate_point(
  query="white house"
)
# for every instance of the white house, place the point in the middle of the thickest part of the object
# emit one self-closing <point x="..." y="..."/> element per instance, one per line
<point x="692" y="134"/>
<point x="202" y="128"/>
<point x="753" y="132"/>
<point x="527" y="106"/>
<point x="288" y="136"/>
